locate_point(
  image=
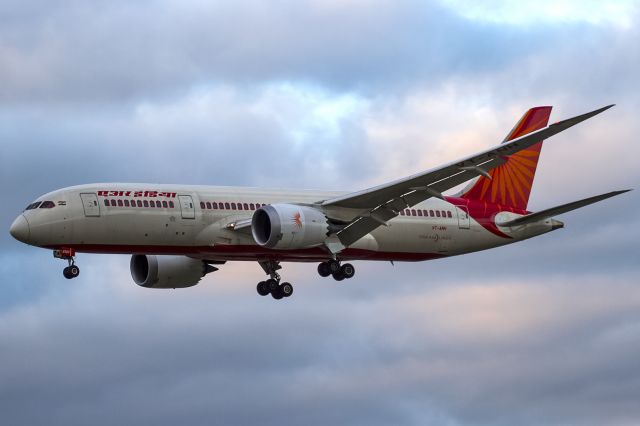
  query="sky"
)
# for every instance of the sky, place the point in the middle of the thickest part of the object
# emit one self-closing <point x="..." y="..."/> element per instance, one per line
<point x="329" y="95"/>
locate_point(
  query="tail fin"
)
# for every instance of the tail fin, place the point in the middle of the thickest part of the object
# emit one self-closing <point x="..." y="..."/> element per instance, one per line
<point x="510" y="183"/>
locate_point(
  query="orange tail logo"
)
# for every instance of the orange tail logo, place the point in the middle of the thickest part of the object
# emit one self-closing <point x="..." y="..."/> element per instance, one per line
<point x="512" y="181"/>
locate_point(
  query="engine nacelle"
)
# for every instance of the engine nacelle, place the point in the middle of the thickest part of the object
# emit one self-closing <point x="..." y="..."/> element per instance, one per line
<point x="287" y="226"/>
<point x="167" y="271"/>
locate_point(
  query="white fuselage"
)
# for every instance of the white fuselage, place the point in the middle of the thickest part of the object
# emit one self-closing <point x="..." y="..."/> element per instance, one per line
<point x="182" y="220"/>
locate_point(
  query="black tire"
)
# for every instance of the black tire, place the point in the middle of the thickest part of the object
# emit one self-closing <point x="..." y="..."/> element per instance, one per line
<point x="262" y="288"/>
<point x="338" y="276"/>
<point x="74" y="271"/>
<point x="67" y="273"/>
<point x="272" y="285"/>
<point x="334" y="266"/>
<point x="323" y="269"/>
<point x="286" y="289"/>
<point x="277" y="293"/>
<point x="348" y="270"/>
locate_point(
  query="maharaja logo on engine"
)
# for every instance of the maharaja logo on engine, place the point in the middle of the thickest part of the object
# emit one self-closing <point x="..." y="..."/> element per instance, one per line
<point x="297" y="219"/>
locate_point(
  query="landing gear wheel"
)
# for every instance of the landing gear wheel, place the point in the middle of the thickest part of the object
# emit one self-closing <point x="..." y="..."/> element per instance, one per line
<point x="323" y="269"/>
<point x="347" y="270"/>
<point x="71" y="271"/>
<point x="277" y="293"/>
<point x="334" y="266"/>
<point x="272" y="285"/>
<point x="74" y="271"/>
<point x="286" y="289"/>
<point x="338" y="276"/>
<point x="262" y="288"/>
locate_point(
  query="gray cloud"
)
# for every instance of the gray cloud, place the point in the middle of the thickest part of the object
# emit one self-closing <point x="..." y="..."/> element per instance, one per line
<point x="473" y="352"/>
<point x="94" y="52"/>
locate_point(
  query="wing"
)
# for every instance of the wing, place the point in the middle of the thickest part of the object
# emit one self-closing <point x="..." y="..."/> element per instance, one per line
<point x="375" y="206"/>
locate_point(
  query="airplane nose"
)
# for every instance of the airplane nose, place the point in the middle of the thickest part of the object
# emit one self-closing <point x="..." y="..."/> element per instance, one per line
<point x="20" y="229"/>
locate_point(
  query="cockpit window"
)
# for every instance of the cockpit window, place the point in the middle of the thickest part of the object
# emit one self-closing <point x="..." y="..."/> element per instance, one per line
<point x="47" y="205"/>
<point x="33" y="205"/>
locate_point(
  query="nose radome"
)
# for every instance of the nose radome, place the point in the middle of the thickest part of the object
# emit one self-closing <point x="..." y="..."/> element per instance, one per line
<point x="20" y="229"/>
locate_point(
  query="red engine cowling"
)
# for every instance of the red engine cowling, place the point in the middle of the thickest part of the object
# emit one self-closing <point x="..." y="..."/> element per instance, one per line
<point x="167" y="271"/>
<point x="288" y="226"/>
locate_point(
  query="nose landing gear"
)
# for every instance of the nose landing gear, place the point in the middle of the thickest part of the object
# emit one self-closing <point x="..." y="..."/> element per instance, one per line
<point x="67" y="254"/>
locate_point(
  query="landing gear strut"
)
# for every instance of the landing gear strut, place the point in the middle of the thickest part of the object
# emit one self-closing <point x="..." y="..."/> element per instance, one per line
<point x="72" y="270"/>
<point x="272" y="285"/>
<point x="334" y="268"/>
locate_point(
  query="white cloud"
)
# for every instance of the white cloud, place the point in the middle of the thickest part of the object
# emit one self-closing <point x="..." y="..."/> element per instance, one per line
<point x="618" y="13"/>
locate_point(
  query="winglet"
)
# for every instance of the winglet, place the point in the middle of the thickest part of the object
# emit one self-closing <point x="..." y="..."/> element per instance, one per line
<point x="570" y="122"/>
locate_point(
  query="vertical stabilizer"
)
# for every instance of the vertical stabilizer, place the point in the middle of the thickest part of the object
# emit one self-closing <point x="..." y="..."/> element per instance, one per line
<point x="510" y="183"/>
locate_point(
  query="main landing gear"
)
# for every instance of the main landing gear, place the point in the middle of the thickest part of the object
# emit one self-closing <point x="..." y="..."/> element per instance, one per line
<point x="272" y="285"/>
<point x="72" y="270"/>
<point x="338" y="272"/>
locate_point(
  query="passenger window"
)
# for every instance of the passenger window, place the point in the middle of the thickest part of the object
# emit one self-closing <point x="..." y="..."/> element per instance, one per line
<point x="246" y="206"/>
<point x="139" y="203"/>
<point x="431" y="213"/>
<point x="239" y="206"/>
<point x="106" y="203"/>
<point x="425" y="212"/>
<point x="47" y="205"/>
<point x="413" y="212"/>
<point x="449" y="214"/>
<point x="227" y="206"/>
<point x="437" y="213"/>
<point x="146" y="203"/>
<point x="419" y="212"/>
<point x="208" y="205"/>
<point x="164" y="204"/>
<point x="444" y="214"/>
<point x="171" y="204"/>
<point x="119" y="203"/>
<point x="202" y="205"/>
<point x="126" y="203"/>
<point x="233" y="206"/>
<point x="253" y="206"/>
<point x="152" y="203"/>
<point x="401" y="212"/>
<point x="214" y="205"/>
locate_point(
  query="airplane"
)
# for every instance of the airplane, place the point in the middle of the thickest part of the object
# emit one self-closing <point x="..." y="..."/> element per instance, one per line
<point x="177" y="234"/>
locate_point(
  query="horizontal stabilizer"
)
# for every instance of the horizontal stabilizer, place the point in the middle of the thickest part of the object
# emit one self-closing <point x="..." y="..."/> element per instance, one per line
<point x="544" y="214"/>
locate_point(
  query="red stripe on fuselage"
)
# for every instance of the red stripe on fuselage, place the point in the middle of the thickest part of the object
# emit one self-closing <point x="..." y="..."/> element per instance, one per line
<point x="249" y="252"/>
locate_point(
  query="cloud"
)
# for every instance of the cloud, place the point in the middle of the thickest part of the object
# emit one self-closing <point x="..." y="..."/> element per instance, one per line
<point x="198" y="354"/>
<point x="336" y="95"/>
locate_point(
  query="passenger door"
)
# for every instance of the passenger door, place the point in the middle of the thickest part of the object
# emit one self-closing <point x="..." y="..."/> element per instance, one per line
<point x="90" y="204"/>
<point x="463" y="217"/>
<point x="186" y="207"/>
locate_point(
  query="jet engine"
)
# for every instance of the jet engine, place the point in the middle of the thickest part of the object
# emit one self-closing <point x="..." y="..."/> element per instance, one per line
<point x="167" y="271"/>
<point x="288" y="226"/>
